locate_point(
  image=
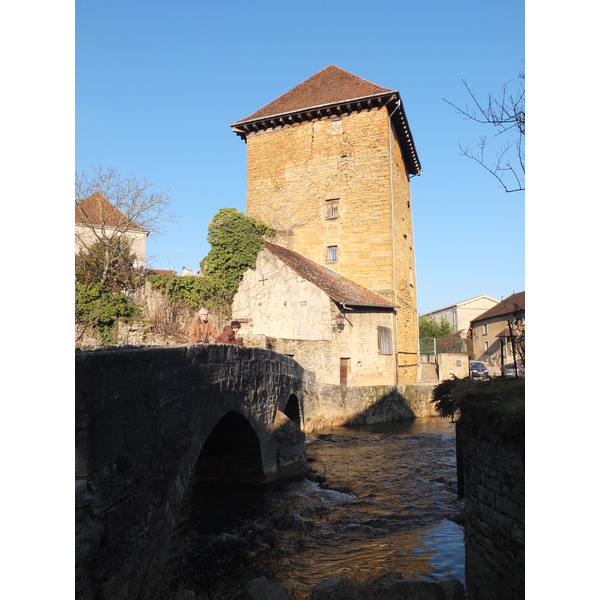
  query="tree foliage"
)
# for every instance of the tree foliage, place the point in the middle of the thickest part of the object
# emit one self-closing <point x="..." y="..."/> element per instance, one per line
<point x="505" y="113"/>
<point x="110" y="264"/>
<point x="99" y="309"/>
<point x="430" y="328"/>
<point x="235" y="241"/>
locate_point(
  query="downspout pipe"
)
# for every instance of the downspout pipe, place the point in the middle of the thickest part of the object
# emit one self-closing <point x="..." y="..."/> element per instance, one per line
<point x="398" y="104"/>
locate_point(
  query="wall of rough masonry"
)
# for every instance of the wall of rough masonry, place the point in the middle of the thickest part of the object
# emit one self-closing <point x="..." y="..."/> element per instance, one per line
<point x="293" y="171"/>
<point x="142" y="418"/>
<point x="336" y="405"/>
<point x="491" y="476"/>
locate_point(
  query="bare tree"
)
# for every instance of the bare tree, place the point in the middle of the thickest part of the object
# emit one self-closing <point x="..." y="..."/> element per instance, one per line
<point x="506" y="114"/>
<point x="109" y="207"/>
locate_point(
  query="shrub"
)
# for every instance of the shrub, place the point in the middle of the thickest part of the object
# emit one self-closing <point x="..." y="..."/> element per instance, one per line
<point x="100" y="310"/>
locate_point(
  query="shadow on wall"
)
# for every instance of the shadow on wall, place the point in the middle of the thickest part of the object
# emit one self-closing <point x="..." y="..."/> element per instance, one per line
<point x="337" y="406"/>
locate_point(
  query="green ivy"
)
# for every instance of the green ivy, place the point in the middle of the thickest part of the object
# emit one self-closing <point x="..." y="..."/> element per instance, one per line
<point x="235" y="242"/>
<point x="100" y="310"/>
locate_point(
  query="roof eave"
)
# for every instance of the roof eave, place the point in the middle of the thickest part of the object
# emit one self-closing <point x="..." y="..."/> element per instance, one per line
<point x="243" y="127"/>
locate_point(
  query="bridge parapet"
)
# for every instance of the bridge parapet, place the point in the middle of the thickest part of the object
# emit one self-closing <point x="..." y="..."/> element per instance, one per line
<point x="143" y="418"/>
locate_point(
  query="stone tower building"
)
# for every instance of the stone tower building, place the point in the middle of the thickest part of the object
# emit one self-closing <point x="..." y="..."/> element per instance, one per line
<point x="328" y="167"/>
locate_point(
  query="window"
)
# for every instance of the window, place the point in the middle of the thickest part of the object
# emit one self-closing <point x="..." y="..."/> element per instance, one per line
<point x="384" y="340"/>
<point x="331" y="253"/>
<point x="485" y="331"/>
<point x="331" y="208"/>
<point x="486" y="346"/>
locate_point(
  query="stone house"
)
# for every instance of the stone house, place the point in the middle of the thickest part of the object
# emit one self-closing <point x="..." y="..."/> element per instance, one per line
<point x="461" y="314"/>
<point x="328" y="168"/>
<point x="330" y="325"/>
<point x="96" y="216"/>
<point x="490" y="331"/>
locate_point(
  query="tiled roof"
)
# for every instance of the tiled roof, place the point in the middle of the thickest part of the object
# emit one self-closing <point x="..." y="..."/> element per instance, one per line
<point x="507" y="306"/>
<point x="331" y="85"/>
<point x="338" y="288"/>
<point x="97" y="210"/>
<point x="332" y="91"/>
<point x="161" y="272"/>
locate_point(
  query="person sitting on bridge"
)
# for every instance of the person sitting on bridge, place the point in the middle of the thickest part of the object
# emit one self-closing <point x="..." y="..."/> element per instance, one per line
<point x="238" y="341"/>
<point x="227" y="336"/>
<point x="201" y="330"/>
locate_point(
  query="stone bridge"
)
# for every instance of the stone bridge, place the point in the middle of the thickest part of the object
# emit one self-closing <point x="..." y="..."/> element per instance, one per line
<point x="151" y="420"/>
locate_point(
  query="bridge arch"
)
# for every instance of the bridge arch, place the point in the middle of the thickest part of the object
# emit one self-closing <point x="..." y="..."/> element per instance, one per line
<point x="231" y="452"/>
<point x="146" y="420"/>
<point x="292" y="410"/>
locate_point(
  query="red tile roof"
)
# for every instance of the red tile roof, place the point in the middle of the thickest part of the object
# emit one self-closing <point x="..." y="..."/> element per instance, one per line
<point x="338" y="288"/>
<point x="513" y="303"/>
<point x="97" y="210"/>
<point x="331" y="85"/>
<point x="332" y="91"/>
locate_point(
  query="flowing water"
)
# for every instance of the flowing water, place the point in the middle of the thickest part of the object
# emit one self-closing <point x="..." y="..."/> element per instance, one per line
<point x="377" y="497"/>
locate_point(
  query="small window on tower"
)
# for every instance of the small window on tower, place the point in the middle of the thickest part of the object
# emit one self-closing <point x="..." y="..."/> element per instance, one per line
<point x="331" y="208"/>
<point x="331" y="253"/>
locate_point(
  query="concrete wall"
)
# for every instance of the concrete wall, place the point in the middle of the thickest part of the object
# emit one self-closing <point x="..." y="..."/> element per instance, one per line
<point x="491" y="476"/>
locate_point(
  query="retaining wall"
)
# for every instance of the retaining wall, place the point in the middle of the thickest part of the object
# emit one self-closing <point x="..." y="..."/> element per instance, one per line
<point x="491" y="477"/>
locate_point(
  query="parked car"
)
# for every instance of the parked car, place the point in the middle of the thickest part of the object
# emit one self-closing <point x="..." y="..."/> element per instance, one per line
<point x="478" y="369"/>
<point x="508" y="370"/>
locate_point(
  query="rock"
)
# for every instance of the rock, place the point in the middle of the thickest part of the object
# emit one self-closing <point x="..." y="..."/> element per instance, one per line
<point x="453" y="589"/>
<point x="337" y="588"/>
<point x="263" y="589"/>
<point x="392" y="586"/>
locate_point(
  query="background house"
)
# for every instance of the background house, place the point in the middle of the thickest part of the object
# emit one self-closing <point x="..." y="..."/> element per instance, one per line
<point x="95" y="216"/>
<point x="461" y="314"/>
<point x="328" y="168"/>
<point x="490" y="330"/>
<point x="330" y="325"/>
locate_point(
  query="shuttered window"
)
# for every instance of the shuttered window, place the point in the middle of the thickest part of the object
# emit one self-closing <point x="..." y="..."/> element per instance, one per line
<point x="331" y="253"/>
<point x="331" y="208"/>
<point x="384" y="339"/>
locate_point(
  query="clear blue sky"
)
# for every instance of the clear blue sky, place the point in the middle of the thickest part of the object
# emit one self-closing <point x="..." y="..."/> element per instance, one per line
<point x="158" y="85"/>
<point x="152" y="88"/>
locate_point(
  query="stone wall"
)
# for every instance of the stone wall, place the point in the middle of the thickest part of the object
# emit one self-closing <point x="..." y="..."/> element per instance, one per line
<point x="452" y="364"/>
<point x="142" y="418"/>
<point x="336" y="405"/>
<point x="491" y="476"/>
<point x="293" y="171"/>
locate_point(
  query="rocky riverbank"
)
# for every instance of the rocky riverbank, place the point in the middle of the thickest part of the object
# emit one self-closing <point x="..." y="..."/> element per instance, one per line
<point x="388" y="586"/>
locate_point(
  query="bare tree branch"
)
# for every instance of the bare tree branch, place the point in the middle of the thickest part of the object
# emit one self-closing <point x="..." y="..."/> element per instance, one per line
<point x="109" y="207"/>
<point x="506" y="114"/>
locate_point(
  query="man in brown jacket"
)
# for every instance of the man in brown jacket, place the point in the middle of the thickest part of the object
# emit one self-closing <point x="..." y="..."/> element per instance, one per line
<point x="201" y="330"/>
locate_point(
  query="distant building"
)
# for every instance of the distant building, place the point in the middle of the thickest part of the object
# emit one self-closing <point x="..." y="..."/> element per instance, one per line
<point x="461" y="314"/>
<point x="490" y="331"/>
<point x="328" y="168"/>
<point x="95" y="216"/>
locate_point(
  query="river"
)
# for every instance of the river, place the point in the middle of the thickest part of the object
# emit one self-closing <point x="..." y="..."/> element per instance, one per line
<point x="377" y="497"/>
